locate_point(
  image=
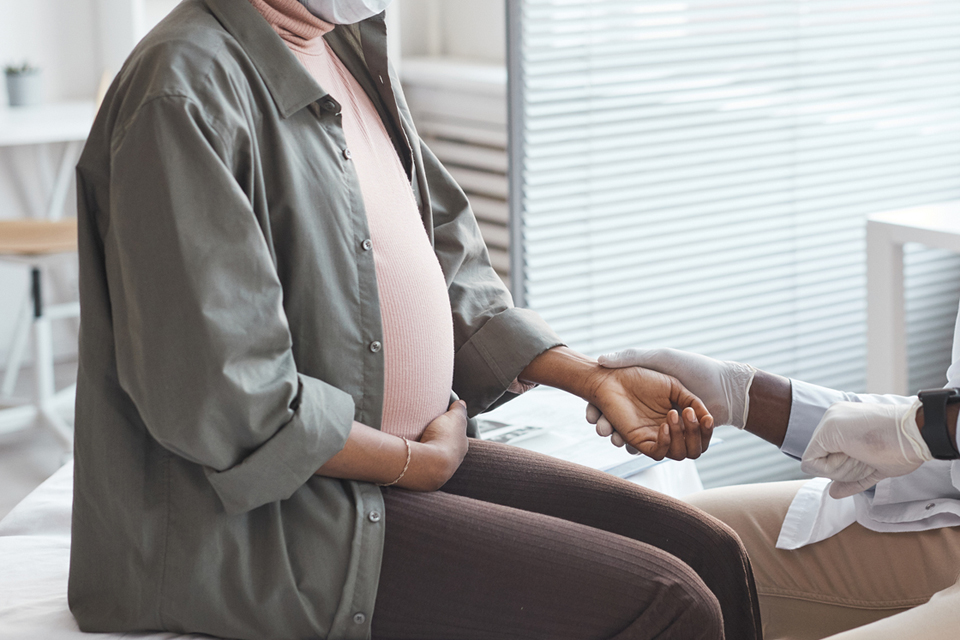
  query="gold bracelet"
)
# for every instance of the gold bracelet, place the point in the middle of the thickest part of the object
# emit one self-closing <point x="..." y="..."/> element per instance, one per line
<point x="405" y="467"/>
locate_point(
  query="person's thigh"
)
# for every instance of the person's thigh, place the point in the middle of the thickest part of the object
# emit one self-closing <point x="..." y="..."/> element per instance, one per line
<point x="455" y="568"/>
<point x="853" y="578"/>
<point x="936" y="620"/>
<point x="533" y="482"/>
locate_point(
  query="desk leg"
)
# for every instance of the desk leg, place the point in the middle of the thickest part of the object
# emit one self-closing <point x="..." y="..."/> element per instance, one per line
<point x="886" y="315"/>
<point x="21" y="336"/>
<point x="58" y="195"/>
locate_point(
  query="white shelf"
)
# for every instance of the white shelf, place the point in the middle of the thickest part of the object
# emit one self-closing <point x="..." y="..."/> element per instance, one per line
<point x="47" y="123"/>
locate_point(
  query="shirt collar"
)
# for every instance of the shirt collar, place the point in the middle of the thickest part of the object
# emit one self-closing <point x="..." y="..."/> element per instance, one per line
<point x="360" y="46"/>
<point x="288" y="82"/>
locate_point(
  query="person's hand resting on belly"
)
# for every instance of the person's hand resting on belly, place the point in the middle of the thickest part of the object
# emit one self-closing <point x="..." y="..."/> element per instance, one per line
<point x="425" y="465"/>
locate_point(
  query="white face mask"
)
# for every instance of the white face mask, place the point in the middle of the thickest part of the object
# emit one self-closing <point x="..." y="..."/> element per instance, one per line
<point x="345" y="11"/>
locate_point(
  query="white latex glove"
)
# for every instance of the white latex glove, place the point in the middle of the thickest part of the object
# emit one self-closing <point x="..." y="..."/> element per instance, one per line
<point x="859" y="444"/>
<point x="723" y="386"/>
<point x="605" y="429"/>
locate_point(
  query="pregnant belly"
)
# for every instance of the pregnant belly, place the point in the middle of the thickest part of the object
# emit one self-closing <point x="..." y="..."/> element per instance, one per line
<point x="418" y="350"/>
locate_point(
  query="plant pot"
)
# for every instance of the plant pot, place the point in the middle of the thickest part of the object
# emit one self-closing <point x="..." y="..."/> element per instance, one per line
<point x="25" y="89"/>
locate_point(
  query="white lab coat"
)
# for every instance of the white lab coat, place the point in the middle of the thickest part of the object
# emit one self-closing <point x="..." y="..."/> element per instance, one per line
<point x="928" y="498"/>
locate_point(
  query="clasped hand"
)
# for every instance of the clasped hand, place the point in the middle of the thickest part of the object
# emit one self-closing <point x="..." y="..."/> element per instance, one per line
<point x="651" y="413"/>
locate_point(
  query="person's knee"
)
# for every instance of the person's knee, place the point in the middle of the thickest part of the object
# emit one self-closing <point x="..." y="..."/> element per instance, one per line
<point x="727" y="545"/>
<point x="698" y="614"/>
<point x="682" y="608"/>
<point x="715" y="547"/>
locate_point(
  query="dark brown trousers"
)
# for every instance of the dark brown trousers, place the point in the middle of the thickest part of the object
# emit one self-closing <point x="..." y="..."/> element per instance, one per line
<point x="521" y="545"/>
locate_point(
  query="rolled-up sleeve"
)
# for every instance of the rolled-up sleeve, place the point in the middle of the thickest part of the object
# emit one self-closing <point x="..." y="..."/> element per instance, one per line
<point x="495" y="341"/>
<point x="203" y="346"/>
<point x="490" y="361"/>
<point x="280" y="465"/>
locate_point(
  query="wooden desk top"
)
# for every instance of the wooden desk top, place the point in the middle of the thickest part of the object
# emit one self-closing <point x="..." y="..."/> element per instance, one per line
<point x="37" y="237"/>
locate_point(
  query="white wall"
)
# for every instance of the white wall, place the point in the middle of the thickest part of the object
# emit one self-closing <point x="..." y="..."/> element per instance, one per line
<point x="58" y="36"/>
<point x="472" y="29"/>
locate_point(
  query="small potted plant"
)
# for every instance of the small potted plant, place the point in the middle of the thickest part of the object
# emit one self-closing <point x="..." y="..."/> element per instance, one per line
<point x="24" y="88"/>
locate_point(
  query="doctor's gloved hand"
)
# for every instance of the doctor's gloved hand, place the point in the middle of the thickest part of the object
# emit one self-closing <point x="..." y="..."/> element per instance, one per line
<point x="653" y="413"/>
<point x="859" y="444"/>
<point x="723" y="386"/>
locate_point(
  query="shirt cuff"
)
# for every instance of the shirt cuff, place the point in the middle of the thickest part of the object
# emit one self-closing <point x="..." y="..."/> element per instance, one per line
<point x="519" y="388"/>
<point x="810" y="402"/>
<point x="492" y="359"/>
<point x="277" y="468"/>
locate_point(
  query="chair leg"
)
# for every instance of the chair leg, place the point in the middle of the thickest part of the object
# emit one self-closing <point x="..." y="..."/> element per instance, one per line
<point x="43" y="368"/>
<point x="21" y="335"/>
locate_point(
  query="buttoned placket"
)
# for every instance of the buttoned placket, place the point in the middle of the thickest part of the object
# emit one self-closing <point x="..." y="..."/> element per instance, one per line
<point x="328" y="107"/>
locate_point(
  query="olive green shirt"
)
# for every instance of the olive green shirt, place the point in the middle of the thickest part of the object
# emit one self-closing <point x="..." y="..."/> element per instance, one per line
<point x="230" y="330"/>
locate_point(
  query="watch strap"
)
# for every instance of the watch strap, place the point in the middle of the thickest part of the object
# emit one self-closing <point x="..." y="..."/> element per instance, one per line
<point x="935" y="431"/>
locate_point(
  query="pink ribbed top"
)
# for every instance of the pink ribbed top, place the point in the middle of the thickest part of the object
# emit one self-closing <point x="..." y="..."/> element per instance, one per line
<point x="414" y="304"/>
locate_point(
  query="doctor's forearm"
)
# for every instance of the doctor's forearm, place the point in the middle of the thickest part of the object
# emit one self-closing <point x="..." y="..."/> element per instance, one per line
<point x="771" y="399"/>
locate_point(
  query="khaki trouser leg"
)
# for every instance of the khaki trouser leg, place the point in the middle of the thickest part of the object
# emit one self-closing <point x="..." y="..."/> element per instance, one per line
<point x="855" y="578"/>
<point x="938" y="619"/>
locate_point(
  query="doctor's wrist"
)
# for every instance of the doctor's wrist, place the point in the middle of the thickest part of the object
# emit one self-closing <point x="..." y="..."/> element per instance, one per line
<point x="771" y="399"/>
<point x="953" y="412"/>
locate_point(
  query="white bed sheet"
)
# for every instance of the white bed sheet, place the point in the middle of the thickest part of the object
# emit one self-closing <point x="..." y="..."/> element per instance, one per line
<point x="34" y="560"/>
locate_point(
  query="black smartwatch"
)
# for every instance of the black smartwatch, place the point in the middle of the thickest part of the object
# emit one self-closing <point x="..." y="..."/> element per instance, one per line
<point x="935" y="431"/>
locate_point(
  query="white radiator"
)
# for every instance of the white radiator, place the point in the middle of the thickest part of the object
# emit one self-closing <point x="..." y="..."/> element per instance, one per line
<point x="460" y="109"/>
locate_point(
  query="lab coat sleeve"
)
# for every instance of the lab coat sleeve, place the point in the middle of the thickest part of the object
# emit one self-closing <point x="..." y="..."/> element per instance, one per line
<point x="494" y="340"/>
<point x="953" y="373"/>
<point x="202" y="342"/>
<point x="810" y="402"/>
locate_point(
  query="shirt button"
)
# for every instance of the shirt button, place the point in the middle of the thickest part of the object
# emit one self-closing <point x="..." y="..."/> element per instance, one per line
<point x="931" y="505"/>
<point x="347" y="154"/>
<point x="374" y="516"/>
<point x="359" y="618"/>
<point x="330" y="105"/>
<point x="375" y="346"/>
<point x="367" y="244"/>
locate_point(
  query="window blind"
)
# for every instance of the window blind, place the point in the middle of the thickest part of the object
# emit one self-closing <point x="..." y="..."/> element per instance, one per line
<point x="696" y="174"/>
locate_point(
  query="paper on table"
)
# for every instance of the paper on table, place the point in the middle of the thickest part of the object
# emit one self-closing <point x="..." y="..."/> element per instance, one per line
<point x="552" y="422"/>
